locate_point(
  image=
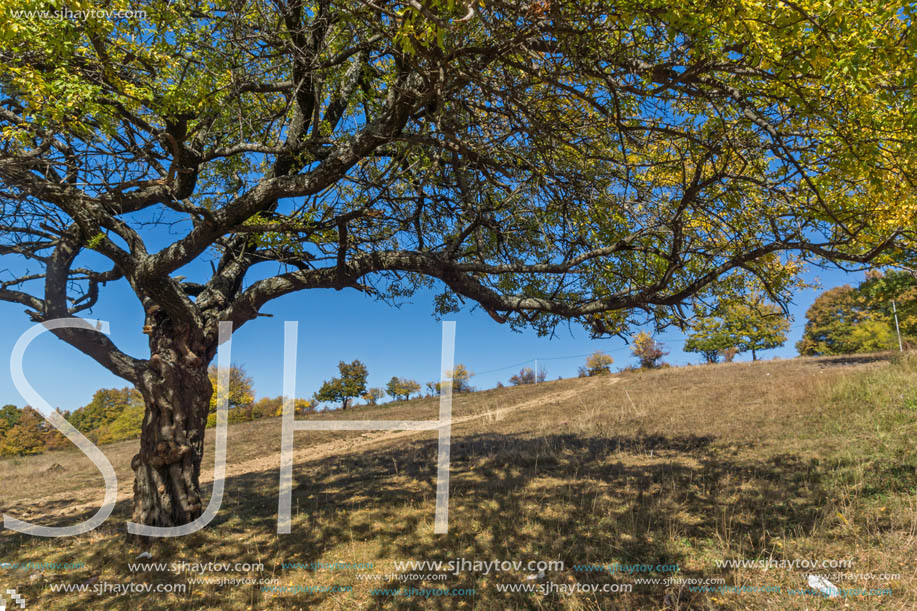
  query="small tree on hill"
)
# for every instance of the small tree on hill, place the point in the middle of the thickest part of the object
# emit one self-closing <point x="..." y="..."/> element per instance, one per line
<point x="647" y="350"/>
<point x="525" y="376"/>
<point x="597" y="363"/>
<point x="461" y="377"/>
<point x="350" y="384"/>
<point x="401" y="388"/>
<point x="9" y="416"/>
<point x="241" y="391"/>
<point x="747" y="326"/>
<point x="373" y="395"/>
<point x="460" y="381"/>
<point x="710" y="338"/>
<point x="757" y="325"/>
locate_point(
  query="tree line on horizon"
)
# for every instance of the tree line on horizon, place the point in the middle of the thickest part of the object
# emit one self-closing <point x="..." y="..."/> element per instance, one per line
<point x="116" y="414"/>
<point x="842" y="320"/>
<point x="848" y="320"/>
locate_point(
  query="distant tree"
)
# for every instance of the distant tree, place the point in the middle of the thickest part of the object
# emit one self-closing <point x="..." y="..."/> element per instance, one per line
<point x="748" y="326"/>
<point x="9" y="416"/>
<point x="647" y="350"/>
<point x="301" y="407"/>
<point x="105" y="407"/>
<point x="461" y="377"/>
<point x="757" y="325"/>
<point x="26" y="436"/>
<point x="460" y="381"/>
<point x="269" y="407"/>
<point x="525" y="376"/>
<point x="729" y="354"/>
<point x="350" y="384"/>
<point x="401" y="388"/>
<point x="597" y="363"/>
<point x="710" y="337"/>
<point x="241" y="393"/>
<point x="880" y="290"/>
<point x="840" y="322"/>
<point x="127" y="425"/>
<point x="373" y="395"/>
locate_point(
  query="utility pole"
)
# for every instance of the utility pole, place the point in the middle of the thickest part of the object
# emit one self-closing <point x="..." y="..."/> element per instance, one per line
<point x="536" y="370"/>
<point x="897" y="328"/>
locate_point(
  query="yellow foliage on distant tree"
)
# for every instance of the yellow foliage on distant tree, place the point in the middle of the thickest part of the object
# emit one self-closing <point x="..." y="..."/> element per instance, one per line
<point x="597" y="363"/>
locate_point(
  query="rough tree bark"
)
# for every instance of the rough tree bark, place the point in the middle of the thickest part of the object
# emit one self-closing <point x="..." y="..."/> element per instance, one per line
<point x="177" y="391"/>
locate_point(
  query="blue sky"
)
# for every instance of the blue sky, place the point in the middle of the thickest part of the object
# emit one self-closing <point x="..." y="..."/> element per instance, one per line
<point x="345" y="325"/>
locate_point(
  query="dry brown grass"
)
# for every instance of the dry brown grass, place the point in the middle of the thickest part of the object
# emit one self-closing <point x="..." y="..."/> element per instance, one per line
<point x="805" y="458"/>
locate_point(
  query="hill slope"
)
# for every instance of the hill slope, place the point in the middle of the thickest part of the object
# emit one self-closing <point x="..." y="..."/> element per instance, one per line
<point x="799" y="459"/>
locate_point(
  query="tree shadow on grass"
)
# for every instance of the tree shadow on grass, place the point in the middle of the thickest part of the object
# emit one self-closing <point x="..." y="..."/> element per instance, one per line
<point x="856" y="359"/>
<point x="583" y="500"/>
<point x="639" y="499"/>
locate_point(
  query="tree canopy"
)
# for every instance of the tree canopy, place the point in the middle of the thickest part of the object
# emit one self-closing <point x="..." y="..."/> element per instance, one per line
<point x="639" y="150"/>
<point x="461" y="380"/>
<point x="401" y="388"/>
<point x="842" y="321"/>
<point x="597" y="363"/>
<point x="241" y="391"/>
<point x="749" y="325"/>
<point x="893" y="293"/>
<point x="647" y="350"/>
<point x="351" y="383"/>
<point x="106" y="405"/>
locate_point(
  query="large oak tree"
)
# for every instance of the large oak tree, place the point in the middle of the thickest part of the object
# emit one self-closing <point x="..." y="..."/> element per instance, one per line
<point x="548" y="160"/>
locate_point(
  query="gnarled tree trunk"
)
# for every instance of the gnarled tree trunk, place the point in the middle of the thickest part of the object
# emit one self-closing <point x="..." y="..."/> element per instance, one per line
<point x="177" y="393"/>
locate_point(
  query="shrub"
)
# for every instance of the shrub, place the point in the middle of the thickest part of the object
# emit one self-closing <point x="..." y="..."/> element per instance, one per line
<point x="525" y="376"/>
<point x="598" y="363"/>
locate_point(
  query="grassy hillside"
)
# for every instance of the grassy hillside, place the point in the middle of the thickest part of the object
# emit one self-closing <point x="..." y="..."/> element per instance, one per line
<point x="781" y="460"/>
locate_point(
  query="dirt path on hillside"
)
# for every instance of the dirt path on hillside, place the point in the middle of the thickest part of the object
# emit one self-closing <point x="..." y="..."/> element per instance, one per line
<point x="309" y="454"/>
